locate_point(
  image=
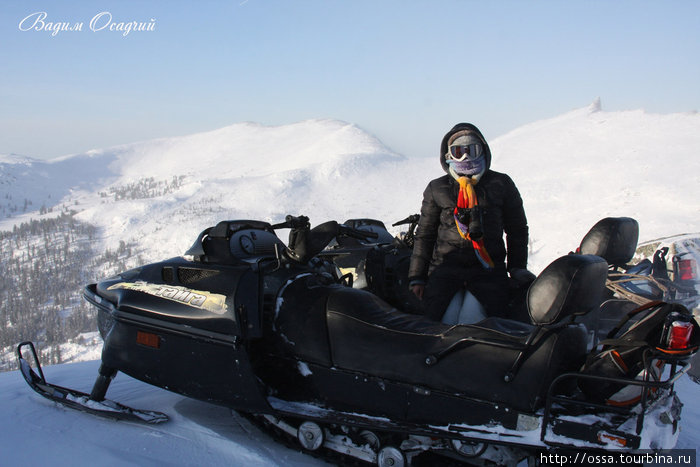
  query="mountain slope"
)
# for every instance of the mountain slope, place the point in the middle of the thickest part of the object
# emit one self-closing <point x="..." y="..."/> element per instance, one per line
<point x="164" y="191"/>
<point x="577" y="168"/>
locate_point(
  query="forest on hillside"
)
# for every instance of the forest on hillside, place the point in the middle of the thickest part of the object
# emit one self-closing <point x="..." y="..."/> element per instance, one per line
<point x="44" y="265"/>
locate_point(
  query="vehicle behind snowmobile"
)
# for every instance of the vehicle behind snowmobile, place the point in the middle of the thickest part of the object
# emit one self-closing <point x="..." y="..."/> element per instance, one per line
<point x="629" y="285"/>
<point x="378" y="265"/>
<point x="244" y="321"/>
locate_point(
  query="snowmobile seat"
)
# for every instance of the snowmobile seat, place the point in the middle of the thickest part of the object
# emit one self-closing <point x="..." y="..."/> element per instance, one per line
<point x="497" y="358"/>
<point x="613" y="238"/>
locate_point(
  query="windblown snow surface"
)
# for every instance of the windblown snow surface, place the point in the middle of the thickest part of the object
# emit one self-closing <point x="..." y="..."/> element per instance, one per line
<point x="572" y="170"/>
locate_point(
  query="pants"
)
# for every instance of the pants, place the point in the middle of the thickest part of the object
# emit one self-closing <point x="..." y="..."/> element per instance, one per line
<point x="489" y="287"/>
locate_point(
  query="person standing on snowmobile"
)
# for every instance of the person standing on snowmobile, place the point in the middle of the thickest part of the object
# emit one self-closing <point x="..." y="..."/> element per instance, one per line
<point x="459" y="240"/>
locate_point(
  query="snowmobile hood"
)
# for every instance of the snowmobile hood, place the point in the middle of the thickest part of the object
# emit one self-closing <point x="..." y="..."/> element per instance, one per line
<point x="471" y="129"/>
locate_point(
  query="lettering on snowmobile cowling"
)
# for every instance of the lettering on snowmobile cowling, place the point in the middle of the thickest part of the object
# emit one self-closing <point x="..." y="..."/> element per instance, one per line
<point x="215" y="303"/>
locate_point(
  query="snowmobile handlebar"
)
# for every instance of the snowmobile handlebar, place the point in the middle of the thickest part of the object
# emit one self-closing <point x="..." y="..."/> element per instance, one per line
<point x="305" y="242"/>
<point x="412" y="219"/>
<point x="302" y="223"/>
<point x="293" y="222"/>
<point x="356" y="233"/>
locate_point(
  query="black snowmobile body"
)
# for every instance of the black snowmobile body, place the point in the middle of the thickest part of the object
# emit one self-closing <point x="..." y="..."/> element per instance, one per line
<point x="244" y="321"/>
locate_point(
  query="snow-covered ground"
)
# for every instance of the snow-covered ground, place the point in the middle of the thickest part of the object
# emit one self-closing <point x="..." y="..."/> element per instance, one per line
<point x="572" y="170"/>
<point x="36" y="431"/>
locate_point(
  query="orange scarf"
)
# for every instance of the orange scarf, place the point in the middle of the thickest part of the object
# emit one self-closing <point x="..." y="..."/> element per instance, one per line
<point x="467" y="199"/>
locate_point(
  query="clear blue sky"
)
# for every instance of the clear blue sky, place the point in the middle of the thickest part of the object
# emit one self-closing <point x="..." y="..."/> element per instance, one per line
<point x="405" y="71"/>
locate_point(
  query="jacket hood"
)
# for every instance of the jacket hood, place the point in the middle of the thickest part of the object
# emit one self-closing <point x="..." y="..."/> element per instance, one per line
<point x="471" y="129"/>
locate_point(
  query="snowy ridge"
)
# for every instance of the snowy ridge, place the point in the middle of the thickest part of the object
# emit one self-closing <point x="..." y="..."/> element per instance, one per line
<point x="244" y="170"/>
<point x="572" y="170"/>
<point x="15" y="159"/>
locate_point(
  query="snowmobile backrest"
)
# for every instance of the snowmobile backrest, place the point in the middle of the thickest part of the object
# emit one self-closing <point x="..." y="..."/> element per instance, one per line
<point x="613" y="238"/>
<point x="571" y="285"/>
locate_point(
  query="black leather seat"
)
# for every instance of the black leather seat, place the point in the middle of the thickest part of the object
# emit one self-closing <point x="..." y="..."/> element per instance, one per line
<point x="366" y="335"/>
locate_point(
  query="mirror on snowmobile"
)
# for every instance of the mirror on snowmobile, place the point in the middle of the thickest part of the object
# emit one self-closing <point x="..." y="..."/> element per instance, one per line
<point x="412" y="219"/>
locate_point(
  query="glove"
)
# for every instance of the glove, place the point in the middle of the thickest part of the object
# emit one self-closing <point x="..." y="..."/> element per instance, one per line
<point x="417" y="287"/>
<point x="522" y="276"/>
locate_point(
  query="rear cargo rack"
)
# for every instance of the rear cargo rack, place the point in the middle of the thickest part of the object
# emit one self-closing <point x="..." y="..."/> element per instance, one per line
<point x="548" y="420"/>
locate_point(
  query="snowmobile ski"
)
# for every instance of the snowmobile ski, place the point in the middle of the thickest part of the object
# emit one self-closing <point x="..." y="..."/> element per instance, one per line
<point x="81" y="401"/>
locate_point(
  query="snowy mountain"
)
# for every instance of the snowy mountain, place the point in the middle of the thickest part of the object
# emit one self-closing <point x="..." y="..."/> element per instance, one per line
<point x="571" y="170"/>
<point x="165" y="191"/>
<point x="577" y="168"/>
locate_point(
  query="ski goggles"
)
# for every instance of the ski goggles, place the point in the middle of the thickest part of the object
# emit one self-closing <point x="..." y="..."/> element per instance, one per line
<point x="462" y="152"/>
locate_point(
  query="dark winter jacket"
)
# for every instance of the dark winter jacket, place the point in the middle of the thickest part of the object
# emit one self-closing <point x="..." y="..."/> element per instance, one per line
<point x="438" y="242"/>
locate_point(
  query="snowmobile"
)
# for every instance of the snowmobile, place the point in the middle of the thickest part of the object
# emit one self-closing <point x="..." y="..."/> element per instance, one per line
<point x="247" y="322"/>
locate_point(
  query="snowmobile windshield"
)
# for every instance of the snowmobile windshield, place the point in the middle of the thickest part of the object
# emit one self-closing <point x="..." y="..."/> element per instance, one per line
<point x="463" y="152"/>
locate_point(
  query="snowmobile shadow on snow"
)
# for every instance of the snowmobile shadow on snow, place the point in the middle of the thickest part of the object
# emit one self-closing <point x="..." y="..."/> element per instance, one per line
<point x="245" y="321"/>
